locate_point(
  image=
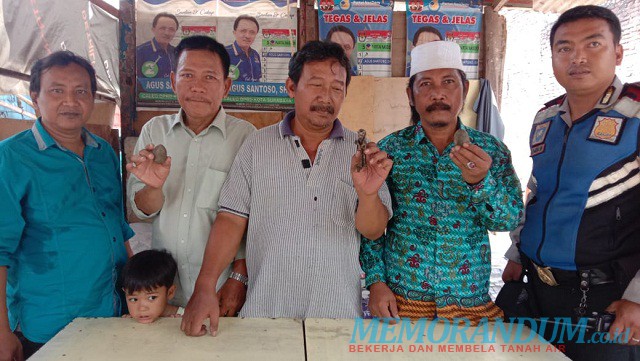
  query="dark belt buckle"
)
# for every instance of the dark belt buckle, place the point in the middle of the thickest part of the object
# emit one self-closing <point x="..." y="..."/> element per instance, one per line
<point x="545" y="275"/>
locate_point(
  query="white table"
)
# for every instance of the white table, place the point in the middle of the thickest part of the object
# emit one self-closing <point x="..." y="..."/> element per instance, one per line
<point x="112" y="339"/>
<point x="270" y="339"/>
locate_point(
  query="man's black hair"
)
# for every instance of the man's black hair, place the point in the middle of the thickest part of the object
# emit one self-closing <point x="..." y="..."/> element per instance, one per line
<point x="341" y="29"/>
<point x="415" y="116"/>
<point x="60" y="58"/>
<point x="201" y="42"/>
<point x="317" y="51"/>
<point x="148" y="270"/>
<point x="245" y="17"/>
<point x="588" y="12"/>
<point x="426" y="29"/>
<point x="165" y="15"/>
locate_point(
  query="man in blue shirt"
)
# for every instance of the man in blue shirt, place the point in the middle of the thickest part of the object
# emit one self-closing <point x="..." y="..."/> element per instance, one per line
<point x="245" y="61"/>
<point x="62" y="226"/>
<point x="157" y="58"/>
<point x="578" y="243"/>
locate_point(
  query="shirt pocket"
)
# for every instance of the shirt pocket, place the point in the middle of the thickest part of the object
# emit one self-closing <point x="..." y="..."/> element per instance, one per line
<point x="344" y="204"/>
<point x="210" y="186"/>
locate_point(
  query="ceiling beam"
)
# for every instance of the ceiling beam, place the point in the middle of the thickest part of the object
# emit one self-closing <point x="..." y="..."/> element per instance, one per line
<point x="18" y="110"/>
<point x="499" y="5"/>
<point x="14" y="74"/>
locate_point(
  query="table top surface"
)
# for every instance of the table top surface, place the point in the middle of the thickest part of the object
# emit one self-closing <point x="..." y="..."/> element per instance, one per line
<point x="288" y="339"/>
<point x="111" y="339"/>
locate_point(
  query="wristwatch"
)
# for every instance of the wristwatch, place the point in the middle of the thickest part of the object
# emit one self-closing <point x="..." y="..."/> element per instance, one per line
<point x="239" y="277"/>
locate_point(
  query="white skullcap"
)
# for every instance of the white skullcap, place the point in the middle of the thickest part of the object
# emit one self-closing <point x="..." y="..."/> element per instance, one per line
<point x="436" y="55"/>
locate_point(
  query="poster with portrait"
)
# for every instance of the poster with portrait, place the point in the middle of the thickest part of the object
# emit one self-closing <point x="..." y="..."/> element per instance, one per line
<point x="160" y="26"/>
<point x="457" y="21"/>
<point x="363" y="29"/>
<point x="259" y="36"/>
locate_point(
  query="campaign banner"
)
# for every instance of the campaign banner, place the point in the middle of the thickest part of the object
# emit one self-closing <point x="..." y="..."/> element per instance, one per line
<point x="458" y="21"/>
<point x="363" y="29"/>
<point x="269" y="40"/>
<point x="259" y="36"/>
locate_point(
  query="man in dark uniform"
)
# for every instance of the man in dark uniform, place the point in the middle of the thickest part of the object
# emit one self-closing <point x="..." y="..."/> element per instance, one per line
<point x="580" y="242"/>
<point x="156" y="58"/>
<point x="245" y="61"/>
<point x="341" y="35"/>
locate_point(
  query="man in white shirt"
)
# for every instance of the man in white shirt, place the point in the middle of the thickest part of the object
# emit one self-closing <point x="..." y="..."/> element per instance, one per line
<point x="181" y="194"/>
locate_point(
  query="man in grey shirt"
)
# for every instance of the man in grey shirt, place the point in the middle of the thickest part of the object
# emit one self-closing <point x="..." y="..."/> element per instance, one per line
<point x="181" y="194"/>
<point x="295" y="188"/>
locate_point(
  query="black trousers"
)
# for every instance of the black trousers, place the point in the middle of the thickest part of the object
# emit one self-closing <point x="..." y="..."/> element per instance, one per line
<point x="28" y="347"/>
<point x="563" y="300"/>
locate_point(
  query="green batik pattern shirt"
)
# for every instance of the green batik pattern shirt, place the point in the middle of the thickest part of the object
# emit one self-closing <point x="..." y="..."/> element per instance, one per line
<point x="436" y="248"/>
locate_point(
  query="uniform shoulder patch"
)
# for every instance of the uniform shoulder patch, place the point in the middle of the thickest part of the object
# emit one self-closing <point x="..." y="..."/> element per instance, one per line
<point x="540" y="131"/>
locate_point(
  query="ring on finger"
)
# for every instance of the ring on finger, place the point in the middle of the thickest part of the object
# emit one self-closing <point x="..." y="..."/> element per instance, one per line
<point x="471" y="165"/>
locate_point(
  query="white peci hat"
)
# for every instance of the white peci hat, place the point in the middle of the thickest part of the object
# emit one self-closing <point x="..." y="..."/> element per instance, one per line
<point x="435" y="55"/>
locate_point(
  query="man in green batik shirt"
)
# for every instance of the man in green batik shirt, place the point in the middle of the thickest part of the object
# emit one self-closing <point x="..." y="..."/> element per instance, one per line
<point x="435" y="259"/>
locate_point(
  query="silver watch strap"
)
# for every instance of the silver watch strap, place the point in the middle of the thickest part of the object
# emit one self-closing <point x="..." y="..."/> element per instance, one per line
<point x="239" y="277"/>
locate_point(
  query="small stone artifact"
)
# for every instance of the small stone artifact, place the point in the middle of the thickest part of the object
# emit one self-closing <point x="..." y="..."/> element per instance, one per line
<point x="362" y="145"/>
<point x="159" y="154"/>
<point x="460" y="137"/>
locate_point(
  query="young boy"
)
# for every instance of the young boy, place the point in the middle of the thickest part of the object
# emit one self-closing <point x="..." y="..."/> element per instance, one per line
<point x="147" y="281"/>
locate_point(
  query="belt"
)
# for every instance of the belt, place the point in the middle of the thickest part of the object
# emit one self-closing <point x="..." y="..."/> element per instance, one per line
<point x="589" y="277"/>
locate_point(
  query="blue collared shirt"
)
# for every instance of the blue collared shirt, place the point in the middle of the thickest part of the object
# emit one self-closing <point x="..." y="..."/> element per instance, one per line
<point x="153" y="52"/>
<point x="249" y="67"/>
<point x="62" y="231"/>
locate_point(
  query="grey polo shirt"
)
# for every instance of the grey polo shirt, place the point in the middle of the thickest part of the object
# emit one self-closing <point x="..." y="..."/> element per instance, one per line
<point x="302" y="243"/>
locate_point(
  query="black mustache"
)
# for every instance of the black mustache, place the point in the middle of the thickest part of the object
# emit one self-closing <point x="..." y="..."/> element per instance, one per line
<point x="325" y="108"/>
<point x="578" y="69"/>
<point x="438" y="106"/>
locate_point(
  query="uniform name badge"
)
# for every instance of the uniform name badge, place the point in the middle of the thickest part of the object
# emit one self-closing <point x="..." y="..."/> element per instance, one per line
<point x="538" y="149"/>
<point x="607" y="129"/>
